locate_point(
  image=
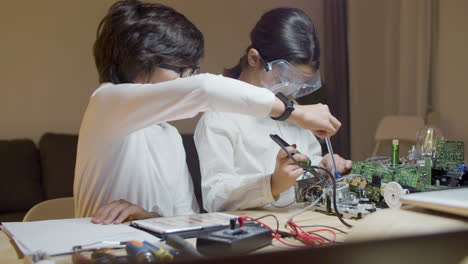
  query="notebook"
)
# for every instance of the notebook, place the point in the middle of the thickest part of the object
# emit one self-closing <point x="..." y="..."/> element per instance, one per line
<point x="56" y="237"/>
<point x="453" y="201"/>
<point x="186" y="225"/>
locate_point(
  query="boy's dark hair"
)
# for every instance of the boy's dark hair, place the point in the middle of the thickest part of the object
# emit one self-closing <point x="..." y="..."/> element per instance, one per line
<point x="133" y="37"/>
<point x="283" y="33"/>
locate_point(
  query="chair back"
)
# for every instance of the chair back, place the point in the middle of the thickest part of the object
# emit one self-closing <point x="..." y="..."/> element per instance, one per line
<point x="403" y="128"/>
<point x="60" y="208"/>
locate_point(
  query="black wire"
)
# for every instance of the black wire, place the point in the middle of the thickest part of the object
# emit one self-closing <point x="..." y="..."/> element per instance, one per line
<point x="315" y="234"/>
<point x="309" y="168"/>
<point x="334" y="193"/>
<point x="271" y="215"/>
<point x="285" y="234"/>
<point x="322" y="237"/>
<point x="331" y="227"/>
<point x="282" y="206"/>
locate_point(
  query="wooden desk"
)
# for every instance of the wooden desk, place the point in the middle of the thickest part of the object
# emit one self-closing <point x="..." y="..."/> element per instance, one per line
<point x="384" y="224"/>
<point x="9" y="253"/>
<point x="407" y="221"/>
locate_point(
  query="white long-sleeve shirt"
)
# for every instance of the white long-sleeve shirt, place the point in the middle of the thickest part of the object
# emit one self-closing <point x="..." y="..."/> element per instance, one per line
<point x="237" y="159"/>
<point x="126" y="150"/>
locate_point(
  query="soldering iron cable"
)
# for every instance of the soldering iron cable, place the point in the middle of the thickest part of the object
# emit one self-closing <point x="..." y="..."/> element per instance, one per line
<point x="310" y="168"/>
<point x="310" y="205"/>
<point x="330" y="151"/>
<point x="327" y="190"/>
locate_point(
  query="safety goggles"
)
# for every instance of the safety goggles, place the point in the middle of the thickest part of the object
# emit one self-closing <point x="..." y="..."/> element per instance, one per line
<point x="283" y="77"/>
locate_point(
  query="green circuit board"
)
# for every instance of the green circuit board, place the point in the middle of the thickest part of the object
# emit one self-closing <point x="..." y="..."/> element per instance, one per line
<point x="413" y="175"/>
<point x="373" y="192"/>
<point x="449" y="154"/>
<point x="368" y="170"/>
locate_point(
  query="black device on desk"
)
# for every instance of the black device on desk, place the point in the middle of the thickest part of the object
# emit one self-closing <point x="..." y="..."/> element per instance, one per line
<point x="234" y="240"/>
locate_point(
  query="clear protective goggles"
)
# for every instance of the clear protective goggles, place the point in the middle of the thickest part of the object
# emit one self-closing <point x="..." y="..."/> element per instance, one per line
<point x="283" y="77"/>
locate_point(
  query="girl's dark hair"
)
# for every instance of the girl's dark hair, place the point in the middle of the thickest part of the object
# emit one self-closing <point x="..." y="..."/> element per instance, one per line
<point x="133" y="37"/>
<point x="283" y="33"/>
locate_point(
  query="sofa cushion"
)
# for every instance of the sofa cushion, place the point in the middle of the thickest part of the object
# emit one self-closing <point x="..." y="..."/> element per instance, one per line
<point x="58" y="157"/>
<point x="12" y="216"/>
<point x="20" y="175"/>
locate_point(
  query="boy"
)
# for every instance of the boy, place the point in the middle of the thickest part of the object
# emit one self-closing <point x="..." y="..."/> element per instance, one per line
<point x="126" y="150"/>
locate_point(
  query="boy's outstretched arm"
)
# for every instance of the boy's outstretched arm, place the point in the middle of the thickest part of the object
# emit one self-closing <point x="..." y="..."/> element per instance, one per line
<point x="118" y="110"/>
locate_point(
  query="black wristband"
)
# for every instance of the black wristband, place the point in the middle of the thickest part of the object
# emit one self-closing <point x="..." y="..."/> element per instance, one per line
<point x="288" y="107"/>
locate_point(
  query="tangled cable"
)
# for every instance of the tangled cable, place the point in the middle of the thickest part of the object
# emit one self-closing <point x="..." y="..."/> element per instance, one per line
<point x="307" y="238"/>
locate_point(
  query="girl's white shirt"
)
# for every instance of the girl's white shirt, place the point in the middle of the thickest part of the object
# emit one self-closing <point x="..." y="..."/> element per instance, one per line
<point x="237" y="159"/>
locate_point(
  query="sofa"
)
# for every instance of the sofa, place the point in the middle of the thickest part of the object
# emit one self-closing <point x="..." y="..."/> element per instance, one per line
<point x="30" y="174"/>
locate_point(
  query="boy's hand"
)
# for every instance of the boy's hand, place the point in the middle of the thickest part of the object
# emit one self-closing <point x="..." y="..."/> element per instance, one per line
<point x="286" y="171"/>
<point x="120" y="210"/>
<point x="342" y="165"/>
<point x="316" y="118"/>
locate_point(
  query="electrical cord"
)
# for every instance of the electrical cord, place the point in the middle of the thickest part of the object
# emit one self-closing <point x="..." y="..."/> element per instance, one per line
<point x="326" y="226"/>
<point x="312" y="204"/>
<point x="311" y="237"/>
<point x="307" y="238"/>
<point x="332" y="177"/>
<point x="305" y="177"/>
<point x="320" y="236"/>
<point x="284" y="234"/>
<point x="291" y="203"/>
<point x="276" y="235"/>
<point x="303" y="192"/>
<point x="327" y="190"/>
<point x="269" y="215"/>
<point x="334" y="194"/>
<point x="282" y="206"/>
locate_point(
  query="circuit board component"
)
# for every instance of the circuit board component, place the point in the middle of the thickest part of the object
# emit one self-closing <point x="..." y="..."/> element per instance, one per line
<point x="413" y="175"/>
<point x="449" y="154"/>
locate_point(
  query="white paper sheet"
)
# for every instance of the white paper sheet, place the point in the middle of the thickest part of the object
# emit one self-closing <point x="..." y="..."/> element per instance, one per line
<point x="56" y="237"/>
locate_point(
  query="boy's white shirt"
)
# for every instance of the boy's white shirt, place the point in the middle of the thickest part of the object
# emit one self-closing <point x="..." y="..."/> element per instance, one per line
<point x="237" y="159"/>
<point x="126" y="150"/>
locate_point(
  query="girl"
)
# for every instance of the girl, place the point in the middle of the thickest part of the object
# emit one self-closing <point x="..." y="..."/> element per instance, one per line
<point x="237" y="157"/>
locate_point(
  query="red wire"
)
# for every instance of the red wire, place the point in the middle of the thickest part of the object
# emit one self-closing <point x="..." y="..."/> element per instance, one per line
<point x="276" y="235"/>
<point x="306" y="237"/>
